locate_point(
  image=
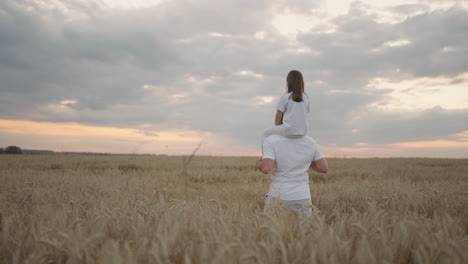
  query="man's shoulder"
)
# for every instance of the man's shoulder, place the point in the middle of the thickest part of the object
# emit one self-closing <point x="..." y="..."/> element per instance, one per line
<point x="308" y="139"/>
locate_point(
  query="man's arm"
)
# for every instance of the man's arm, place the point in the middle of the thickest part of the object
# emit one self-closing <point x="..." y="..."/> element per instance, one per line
<point x="265" y="165"/>
<point x="320" y="165"/>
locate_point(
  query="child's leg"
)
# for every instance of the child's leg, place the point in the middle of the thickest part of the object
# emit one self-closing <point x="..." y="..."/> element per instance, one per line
<point x="276" y="130"/>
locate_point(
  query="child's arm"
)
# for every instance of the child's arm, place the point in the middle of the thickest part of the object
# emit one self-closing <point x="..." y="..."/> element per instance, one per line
<point x="278" y="118"/>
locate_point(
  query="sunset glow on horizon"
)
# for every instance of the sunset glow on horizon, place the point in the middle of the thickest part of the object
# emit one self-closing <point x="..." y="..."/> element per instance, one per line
<point x="87" y="138"/>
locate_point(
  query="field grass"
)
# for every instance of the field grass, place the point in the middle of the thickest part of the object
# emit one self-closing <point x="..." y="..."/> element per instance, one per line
<point x="149" y="209"/>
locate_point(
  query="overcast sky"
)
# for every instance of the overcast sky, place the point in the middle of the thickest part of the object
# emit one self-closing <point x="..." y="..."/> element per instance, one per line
<point x="386" y="79"/>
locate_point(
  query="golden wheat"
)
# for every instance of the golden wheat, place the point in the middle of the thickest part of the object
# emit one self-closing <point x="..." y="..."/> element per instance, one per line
<point x="160" y="209"/>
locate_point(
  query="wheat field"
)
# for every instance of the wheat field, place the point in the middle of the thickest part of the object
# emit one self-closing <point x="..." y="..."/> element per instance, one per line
<point x="163" y="209"/>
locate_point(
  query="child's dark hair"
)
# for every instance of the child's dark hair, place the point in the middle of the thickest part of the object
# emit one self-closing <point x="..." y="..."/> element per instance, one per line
<point x="295" y="84"/>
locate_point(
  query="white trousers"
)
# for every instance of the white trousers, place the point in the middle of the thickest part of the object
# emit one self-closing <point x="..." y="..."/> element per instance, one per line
<point x="303" y="205"/>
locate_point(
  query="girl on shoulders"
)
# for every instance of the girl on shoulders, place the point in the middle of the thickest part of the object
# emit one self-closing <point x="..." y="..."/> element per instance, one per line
<point x="292" y="110"/>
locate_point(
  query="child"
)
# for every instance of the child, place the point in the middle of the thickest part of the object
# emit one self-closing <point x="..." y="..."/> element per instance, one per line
<point x="292" y="110"/>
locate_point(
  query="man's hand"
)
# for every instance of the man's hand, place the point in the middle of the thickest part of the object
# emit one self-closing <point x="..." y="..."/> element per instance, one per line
<point x="258" y="161"/>
<point x="320" y="165"/>
<point x="265" y="165"/>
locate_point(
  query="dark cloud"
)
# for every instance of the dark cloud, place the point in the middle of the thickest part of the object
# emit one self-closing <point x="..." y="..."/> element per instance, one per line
<point x="410" y="9"/>
<point x="434" y="123"/>
<point x="357" y="50"/>
<point x="197" y="65"/>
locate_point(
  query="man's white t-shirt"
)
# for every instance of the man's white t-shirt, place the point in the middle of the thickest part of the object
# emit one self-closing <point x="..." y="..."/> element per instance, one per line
<point x="290" y="178"/>
<point x="295" y="114"/>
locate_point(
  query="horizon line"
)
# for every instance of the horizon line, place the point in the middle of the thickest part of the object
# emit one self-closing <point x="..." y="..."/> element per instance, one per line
<point x="222" y="155"/>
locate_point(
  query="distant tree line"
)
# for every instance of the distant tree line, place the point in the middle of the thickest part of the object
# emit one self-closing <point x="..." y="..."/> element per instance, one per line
<point x="11" y="150"/>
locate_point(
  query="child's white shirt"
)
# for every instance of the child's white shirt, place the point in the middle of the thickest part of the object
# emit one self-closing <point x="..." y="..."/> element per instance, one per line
<point x="294" y="114"/>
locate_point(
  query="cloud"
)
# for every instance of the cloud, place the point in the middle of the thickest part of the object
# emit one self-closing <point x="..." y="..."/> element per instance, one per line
<point x="358" y="49"/>
<point x="435" y="123"/>
<point x="356" y="52"/>
<point x="219" y="66"/>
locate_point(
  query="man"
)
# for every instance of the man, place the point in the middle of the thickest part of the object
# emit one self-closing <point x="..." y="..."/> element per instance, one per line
<point x="290" y="160"/>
